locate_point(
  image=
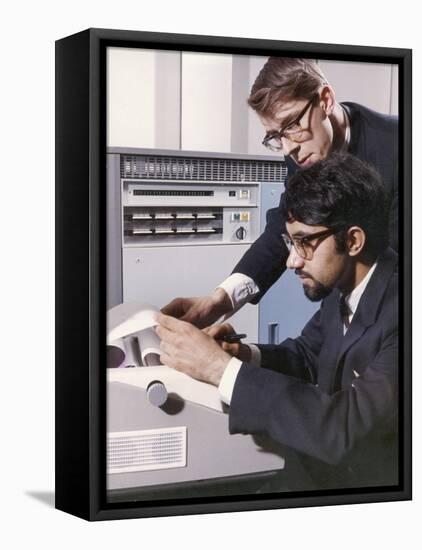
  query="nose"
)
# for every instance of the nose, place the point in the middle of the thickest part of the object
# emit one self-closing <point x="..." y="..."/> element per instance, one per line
<point x="289" y="146"/>
<point x="294" y="261"/>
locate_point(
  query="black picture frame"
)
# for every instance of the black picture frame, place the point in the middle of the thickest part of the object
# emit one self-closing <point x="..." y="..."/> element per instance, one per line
<point x="80" y="272"/>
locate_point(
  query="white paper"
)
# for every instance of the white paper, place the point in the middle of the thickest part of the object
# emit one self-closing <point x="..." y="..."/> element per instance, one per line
<point x="130" y="329"/>
<point x="128" y="318"/>
<point x="148" y="343"/>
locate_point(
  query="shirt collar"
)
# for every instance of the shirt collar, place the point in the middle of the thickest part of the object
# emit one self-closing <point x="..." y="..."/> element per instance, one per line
<point x="347" y="132"/>
<point x="352" y="300"/>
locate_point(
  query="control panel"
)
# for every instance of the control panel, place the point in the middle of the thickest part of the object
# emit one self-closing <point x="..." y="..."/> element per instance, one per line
<point x="163" y="213"/>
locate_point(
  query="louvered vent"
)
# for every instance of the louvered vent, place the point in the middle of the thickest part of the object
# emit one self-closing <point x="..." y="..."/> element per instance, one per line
<point x="146" y="450"/>
<point x="200" y="169"/>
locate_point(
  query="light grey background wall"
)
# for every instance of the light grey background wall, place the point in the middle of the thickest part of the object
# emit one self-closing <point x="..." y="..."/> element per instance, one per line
<point x="371" y="84"/>
<point x="197" y="101"/>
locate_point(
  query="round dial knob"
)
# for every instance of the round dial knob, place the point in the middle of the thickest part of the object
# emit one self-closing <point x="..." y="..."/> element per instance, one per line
<point x="241" y="233"/>
<point x="157" y="393"/>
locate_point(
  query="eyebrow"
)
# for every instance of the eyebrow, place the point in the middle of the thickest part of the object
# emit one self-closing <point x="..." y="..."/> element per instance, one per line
<point x="288" y="120"/>
<point x="300" y="234"/>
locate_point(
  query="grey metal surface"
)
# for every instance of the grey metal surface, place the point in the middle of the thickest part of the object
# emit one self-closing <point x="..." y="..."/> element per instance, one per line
<point x="158" y="274"/>
<point x="114" y="232"/>
<point x="211" y="451"/>
<point x="196" y="154"/>
<point x="239" y="109"/>
<point x="167" y="104"/>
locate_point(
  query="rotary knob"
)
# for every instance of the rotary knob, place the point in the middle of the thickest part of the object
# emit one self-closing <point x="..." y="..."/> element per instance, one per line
<point x="241" y="233"/>
<point x="157" y="393"/>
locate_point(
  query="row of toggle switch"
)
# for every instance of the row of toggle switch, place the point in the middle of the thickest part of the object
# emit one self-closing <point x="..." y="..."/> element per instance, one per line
<point x="178" y="230"/>
<point x="172" y="216"/>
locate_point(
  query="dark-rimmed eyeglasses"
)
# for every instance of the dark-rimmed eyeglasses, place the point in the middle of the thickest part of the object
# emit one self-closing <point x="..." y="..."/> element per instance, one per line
<point x="306" y="245"/>
<point x="293" y="131"/>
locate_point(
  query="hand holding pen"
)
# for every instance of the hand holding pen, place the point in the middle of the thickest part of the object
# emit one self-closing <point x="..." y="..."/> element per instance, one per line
<point x="229" y="340"/>
<point x="233" y="338"/>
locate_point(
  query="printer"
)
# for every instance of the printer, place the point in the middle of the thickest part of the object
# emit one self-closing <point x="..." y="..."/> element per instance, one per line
<point x="167" y="434"/>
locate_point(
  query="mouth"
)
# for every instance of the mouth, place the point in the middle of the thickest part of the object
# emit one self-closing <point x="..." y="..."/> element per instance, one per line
<point x="304" y="161"/>
<point x="302" y="276"/>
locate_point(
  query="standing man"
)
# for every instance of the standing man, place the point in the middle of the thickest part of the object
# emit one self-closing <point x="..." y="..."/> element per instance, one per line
<point x="331" y="393"/>
<point x="304" y="122"/>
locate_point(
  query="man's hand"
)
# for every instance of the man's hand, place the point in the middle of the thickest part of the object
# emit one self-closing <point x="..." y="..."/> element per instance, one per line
<point x="218" y="332"/>
<point x="189" y="350"/>
<point x="202" y="311"/>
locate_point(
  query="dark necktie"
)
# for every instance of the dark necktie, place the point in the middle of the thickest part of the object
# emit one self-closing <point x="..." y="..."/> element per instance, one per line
<point x="344" y="312"/>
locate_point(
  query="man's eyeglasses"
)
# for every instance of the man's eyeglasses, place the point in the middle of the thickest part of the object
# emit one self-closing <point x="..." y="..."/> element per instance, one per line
<point x="303" y="245"/>
<point x="292" y="131"/>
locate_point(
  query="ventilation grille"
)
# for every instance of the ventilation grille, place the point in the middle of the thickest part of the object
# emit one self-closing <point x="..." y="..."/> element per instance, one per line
<point x="172" y="193"/>
<point x="201" y="169"/>
<point x="146" y="450"/>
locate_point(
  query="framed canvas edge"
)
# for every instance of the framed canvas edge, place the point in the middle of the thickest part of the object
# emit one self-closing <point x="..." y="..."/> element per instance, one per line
<point x="87" y="429"/>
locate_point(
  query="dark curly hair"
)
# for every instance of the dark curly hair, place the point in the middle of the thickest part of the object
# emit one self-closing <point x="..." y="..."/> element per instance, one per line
<point x="340" y="191"/>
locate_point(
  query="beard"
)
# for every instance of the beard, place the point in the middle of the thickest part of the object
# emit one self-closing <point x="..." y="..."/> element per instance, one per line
<point x="317" y="292"/>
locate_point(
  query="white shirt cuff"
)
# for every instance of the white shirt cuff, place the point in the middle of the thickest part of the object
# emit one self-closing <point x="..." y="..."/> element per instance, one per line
<point x="228" y="380"/>
<point x="255" y="355"/>
<point x="229" y="377"/>
<point x="240" y="289"/>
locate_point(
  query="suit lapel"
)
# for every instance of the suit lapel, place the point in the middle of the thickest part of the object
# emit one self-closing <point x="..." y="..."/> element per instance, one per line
<point x="331" y="349"/>
<point x="368" y="308"/>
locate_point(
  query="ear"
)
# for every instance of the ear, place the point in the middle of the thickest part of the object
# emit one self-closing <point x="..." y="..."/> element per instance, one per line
<point x="356" y="239"/>
<point x="327" y="99"/>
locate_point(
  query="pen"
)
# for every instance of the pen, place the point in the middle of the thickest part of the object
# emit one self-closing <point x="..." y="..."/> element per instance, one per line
<point x="233" y="338"/>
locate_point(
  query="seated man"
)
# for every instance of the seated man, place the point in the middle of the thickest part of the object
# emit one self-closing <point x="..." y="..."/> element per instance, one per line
<point x="330" y="394"/>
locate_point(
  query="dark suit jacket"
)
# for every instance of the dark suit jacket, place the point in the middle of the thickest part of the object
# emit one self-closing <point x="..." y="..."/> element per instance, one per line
<point x="332" y="397"/>
<point x="374" y="139"/>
